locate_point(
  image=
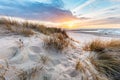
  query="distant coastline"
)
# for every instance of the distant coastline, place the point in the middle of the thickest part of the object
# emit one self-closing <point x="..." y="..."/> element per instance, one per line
<point x="107" y="32"/>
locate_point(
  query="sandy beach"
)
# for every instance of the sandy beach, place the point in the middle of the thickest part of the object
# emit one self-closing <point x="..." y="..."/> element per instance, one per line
<point x="25" y="58"/>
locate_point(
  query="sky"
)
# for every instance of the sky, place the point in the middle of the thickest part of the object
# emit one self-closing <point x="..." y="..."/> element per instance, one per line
<point x="71" y="14"/>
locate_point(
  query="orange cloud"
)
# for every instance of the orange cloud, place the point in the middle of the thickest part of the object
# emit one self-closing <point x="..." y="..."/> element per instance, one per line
<point x="76" y="24"/>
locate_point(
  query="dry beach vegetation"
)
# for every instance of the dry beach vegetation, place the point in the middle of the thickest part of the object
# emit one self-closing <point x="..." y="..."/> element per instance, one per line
<point x="106" y="57"/>
<point x="32" y="58"/>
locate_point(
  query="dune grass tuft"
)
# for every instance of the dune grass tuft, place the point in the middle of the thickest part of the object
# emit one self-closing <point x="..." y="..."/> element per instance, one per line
<point x="96" y="45"/>
<point x="106" y="58"/>
<point x="56" y="41"/>
<point x="114" y="43"/>
<point x="13" y="25"/>
<point x="99" y="45"/>
<point x="8" y="21"/>
<point x="79" y="66"/>
<point x="108" y="65"/>
<point x="26" y="32"/>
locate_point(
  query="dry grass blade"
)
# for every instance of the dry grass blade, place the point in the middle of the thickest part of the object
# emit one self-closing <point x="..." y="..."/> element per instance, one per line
<point x="79" y="66"/>
<point x="44" y="59"/>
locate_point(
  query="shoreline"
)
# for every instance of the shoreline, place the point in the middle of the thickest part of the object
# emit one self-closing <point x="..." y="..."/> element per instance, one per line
<point x="97" y="34"/>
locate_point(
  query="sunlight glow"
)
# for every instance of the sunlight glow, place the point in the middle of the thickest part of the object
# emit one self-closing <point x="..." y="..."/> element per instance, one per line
<point x="68" y="25"/>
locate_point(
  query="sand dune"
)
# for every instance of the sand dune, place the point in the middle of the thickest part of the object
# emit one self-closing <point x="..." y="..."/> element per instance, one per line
<point x="26" y="58"/>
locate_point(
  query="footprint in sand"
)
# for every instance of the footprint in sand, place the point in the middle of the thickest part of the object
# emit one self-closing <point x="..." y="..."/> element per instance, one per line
<point x="8" y="53"/>
<point x="34" y="53"/>
<point x="35" y="49"/>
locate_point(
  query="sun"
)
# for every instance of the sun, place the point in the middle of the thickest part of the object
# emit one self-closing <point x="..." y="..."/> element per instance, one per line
<point x="70" y="25"/>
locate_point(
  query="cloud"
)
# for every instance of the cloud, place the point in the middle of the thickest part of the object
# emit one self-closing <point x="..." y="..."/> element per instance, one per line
<point x="111" y="9"/>
<point x="84" y="18"/>
<point x="115" y="0"/>
<point x="109" y="20"/>
<point x="104" y="9"/>
<point x="78" y="8"/>
<point x="4" y="7"/>
<point x="103" y="13"/>
<point x="37" y="10"/>
<point x="57" y="3"/>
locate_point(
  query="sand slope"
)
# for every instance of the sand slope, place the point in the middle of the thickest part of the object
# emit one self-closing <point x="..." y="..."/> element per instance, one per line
<point x="22" y="58"/>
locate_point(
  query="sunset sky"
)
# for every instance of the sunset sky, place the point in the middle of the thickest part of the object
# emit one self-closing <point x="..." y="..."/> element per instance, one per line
<point x="69" y="14"/>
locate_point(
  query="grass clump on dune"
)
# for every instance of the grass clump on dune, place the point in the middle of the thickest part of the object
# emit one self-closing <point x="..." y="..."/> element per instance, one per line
<point x="114" y="44"/>
<point x="99" y="45"/>
<point x="20" y="30"/>
<point x="8" y="21"/>
<point x="56" y="41"/>
<point x="27" y="32"/>
<point x="107" y="64"/>
<point x="11" y="24"/>
<point x="96" y="45"/>
<point x="47" y="30"/>
<point x="15" y="27"/>
<point x="106" y="58"/>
